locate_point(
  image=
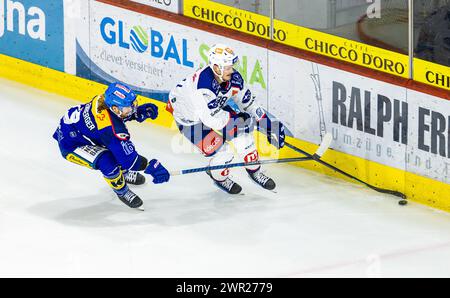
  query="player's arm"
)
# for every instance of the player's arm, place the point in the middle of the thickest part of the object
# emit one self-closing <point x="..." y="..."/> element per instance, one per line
<point x="143" y="112"/>
<point x="244" y="98"/>
<point x="125" y="153"/>
<point x="247" y="103"/>
<point x="123" y="149"/>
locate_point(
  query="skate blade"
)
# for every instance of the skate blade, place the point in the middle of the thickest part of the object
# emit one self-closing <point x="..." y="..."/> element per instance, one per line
<point x="230" y="194"/>
<point x="141" y="208"/>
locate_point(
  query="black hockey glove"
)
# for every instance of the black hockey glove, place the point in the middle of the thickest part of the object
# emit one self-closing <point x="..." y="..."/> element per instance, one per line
<point x="274" y="130"/>
<point x="145" y="111"/>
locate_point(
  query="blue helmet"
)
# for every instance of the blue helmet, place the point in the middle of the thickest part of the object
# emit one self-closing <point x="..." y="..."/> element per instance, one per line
<point x="119" y="95"/>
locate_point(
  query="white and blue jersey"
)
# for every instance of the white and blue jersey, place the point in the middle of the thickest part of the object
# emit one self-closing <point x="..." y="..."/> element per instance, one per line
<point x="200" y="98"/>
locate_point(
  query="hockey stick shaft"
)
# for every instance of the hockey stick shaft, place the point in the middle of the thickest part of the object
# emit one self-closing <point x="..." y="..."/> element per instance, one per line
<point x="320" y="151"/>
<point x="317" y="158"/>
<point x="240" y="164"/>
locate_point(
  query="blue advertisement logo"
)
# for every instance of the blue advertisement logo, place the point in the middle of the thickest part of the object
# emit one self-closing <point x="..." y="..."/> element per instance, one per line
<point x="33" y="30"/>
<point x="141" y="40"/>
<point x="149" y="43"/>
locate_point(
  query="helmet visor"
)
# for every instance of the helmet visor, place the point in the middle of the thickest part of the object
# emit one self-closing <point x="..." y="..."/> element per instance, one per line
<point x="126" y="111"/>
<point x="231" y="64"/>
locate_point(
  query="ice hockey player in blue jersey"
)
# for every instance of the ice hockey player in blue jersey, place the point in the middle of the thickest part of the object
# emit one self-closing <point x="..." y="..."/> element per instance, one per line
<point x="202" y="106"/>
<point x="94" y="135"/>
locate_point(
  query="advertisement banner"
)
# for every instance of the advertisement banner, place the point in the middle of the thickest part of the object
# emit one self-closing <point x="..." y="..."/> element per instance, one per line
<point x="33" y="30"/>
<point x="432" y="73"/>
<point x="153" y="55"/>
<point x="370" y="119"/>
<point x="168" y="5"/>
<point x="299" y="37"/>
<point x="428" y="151"/>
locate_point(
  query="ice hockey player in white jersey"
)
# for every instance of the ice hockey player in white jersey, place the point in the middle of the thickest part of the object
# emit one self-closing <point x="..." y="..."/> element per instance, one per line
<point x="202" y="108"/>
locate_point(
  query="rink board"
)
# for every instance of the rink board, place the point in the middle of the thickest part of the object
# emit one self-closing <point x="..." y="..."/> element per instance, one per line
<point x="149" y="54"/>
<point x="418" y="188"/>
<point x="336" y="47"/>
<point x="385" y="134"/>
<point x="30" y="30"/>
<point x="70" y="86"/>
<point x="300" y="37"/>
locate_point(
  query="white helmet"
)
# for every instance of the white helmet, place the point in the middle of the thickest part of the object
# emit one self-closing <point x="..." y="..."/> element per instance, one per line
<point x="221" y="55"/>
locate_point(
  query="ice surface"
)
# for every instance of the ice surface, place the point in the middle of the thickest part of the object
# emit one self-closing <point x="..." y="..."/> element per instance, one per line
<point x="60" y="219"/>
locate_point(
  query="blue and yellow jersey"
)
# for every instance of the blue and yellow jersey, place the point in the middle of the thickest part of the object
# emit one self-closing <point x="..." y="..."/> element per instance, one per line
<point x="86" y="125"/>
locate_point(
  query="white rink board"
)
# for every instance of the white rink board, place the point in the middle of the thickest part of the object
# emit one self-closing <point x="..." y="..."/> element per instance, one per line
<point x="429" y="156"/>
<point x="388" y="135"/>
<point x="168" y="5"/>
<point x="173" y="51"/>
<point x="287" y="86"/>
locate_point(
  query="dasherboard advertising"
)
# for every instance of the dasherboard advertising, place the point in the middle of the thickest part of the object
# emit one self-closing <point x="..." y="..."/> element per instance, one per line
<point x="33" y="31"/>
<point x="153" y="55"/>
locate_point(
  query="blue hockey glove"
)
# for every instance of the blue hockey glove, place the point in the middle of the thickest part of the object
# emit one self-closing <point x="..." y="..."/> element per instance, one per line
<point x="145" y="111"/>
<point x="157" y="171"/>
<point x="274" y="130"/>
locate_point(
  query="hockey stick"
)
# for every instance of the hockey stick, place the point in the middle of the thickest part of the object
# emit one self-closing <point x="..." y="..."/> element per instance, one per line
<point x="319" y="152"/>
<point x="240" y="164"/>
<point x="381" y="190"/>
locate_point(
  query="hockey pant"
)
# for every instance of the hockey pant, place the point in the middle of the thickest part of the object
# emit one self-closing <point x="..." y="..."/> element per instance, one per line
<point x="98" y="158"/>
<point x="216" y="147"/>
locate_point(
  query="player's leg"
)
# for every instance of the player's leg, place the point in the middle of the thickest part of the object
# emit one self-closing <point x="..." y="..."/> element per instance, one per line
<point x="99" y="158"/>
<point x="113" y="175"/>
<point x="246" y="149"/>
<point x="134" y="177"/>
<point x="240" y="133"/>
<point x="221" y="177"/>
<point x="211" y="145"/>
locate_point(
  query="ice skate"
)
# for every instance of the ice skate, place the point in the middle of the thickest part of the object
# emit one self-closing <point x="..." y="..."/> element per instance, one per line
<point x="228" y="185"/>
<point x="134" y="178"/>
<point x="130" y="199"/>
<point x="261" y="179"/>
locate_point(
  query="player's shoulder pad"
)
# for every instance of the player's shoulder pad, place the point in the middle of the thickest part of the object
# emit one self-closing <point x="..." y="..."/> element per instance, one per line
<point x="207" y="81"/>
<point x="237" y="81"/>
<point x="101" y="118"/>
<point x="109" y="123"/>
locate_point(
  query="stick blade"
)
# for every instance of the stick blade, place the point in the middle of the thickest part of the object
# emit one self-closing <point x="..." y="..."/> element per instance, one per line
<point x="326" y="142"/>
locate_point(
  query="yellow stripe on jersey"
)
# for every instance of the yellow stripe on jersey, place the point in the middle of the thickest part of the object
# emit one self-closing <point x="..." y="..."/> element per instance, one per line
<point x="78" y="160"/>
<point x="102" y="119"/>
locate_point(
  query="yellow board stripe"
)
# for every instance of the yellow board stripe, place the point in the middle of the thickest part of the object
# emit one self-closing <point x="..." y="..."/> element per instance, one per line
<point x="420" y="189"/>
<point x="432" y="74"/>
<point x="70" y="86"/>
<point x="417" y="188"/>
<point x="300" y="37"/>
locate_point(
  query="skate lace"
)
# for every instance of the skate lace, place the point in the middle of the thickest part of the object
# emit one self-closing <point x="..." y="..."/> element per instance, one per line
<point x="261" y="178"/>
<point x="131" y="176"/>
<point x="129" y="196"/>
<point x="228" y="183"/>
